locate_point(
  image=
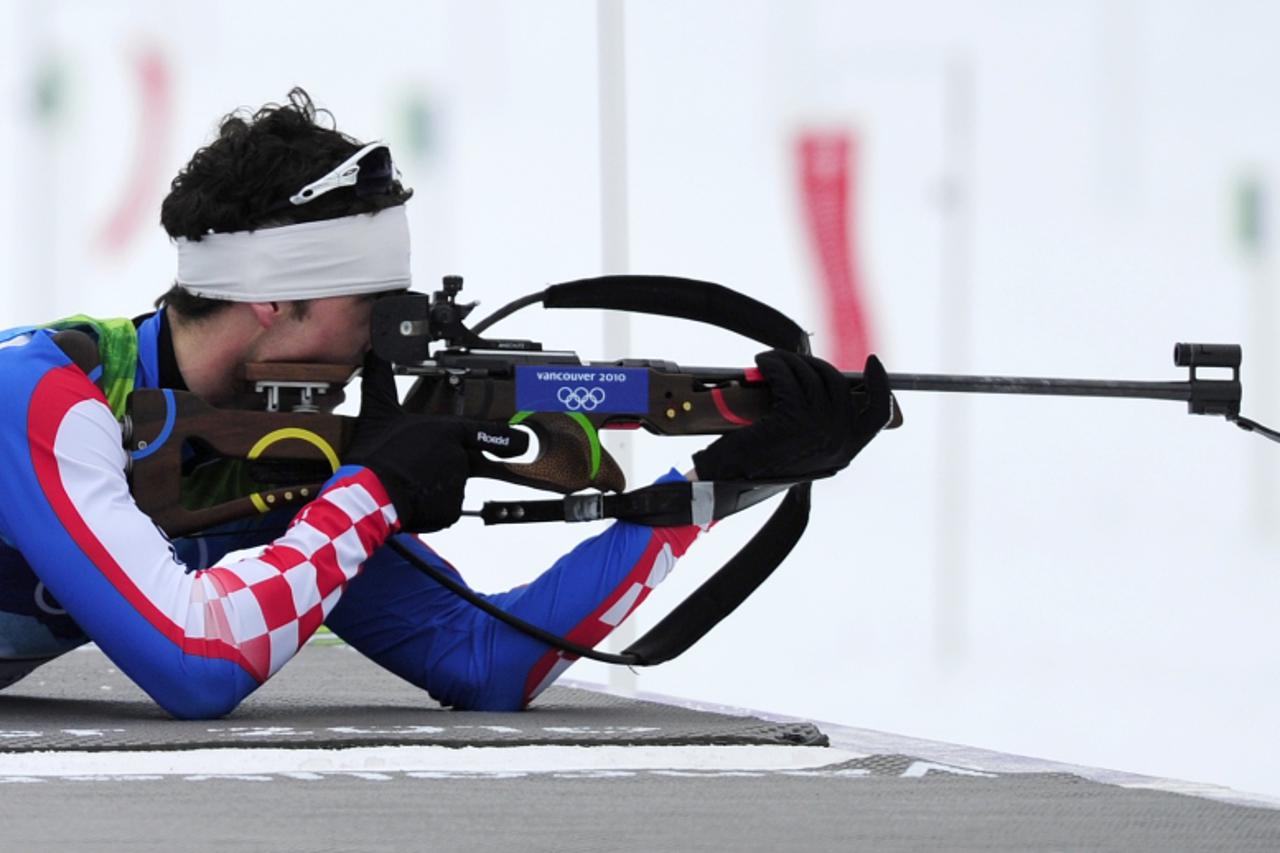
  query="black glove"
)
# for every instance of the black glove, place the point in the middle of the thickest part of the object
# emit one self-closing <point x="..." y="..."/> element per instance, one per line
<point x="423" y="461"/>
<point x="814" y="428"/>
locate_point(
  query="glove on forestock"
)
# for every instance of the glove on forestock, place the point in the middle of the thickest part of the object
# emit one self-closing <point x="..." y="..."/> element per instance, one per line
<point x="815" y="427"/>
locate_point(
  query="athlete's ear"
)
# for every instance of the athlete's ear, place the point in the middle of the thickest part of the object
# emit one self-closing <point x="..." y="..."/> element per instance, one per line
<point x="266" y="313"/>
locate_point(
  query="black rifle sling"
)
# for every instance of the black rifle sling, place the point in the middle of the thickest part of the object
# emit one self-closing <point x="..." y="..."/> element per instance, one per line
<point x="687" y="298"/>
<point x="690" y="620"/>
<point x="732" y="583"/>
<point x="714" y="305"/>
<point x="721" y="593"/>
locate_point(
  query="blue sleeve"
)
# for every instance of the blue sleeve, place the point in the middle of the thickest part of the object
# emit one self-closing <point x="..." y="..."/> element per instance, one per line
<point x="467" y="659"/>
<point x="197" y="642"/>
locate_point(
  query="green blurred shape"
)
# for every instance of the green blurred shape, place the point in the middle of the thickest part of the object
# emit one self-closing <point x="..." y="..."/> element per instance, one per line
<point x="49" y="90"/>
<point x="418" y="122"/>
<point x="1251" y="215"/>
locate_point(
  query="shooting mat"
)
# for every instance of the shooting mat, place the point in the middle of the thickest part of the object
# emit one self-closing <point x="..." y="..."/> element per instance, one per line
<point x="330" y="696"/>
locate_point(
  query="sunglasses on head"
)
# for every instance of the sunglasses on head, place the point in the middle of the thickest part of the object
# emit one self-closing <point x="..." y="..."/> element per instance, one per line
<point x="369" y="170"/>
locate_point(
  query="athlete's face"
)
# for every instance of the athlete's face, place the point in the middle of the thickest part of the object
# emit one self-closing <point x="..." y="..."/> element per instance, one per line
<point x="334" y="330"/>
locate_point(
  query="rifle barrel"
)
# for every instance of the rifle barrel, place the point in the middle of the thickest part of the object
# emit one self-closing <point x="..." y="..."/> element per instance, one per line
<point x="1037" y="385"/>
<point x="1041" y="386"/>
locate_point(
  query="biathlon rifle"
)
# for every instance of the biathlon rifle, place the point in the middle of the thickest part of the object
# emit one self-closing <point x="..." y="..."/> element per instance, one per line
<point x="286" y="449"/>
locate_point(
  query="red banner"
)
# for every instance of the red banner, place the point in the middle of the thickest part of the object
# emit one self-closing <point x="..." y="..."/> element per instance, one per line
<point x="828" y="183"/>
<point x="137" y="204"/>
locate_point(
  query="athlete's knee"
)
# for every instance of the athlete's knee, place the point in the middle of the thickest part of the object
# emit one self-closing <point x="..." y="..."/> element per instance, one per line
<point x="196" y="701"/>
<point x="467" y="681"/>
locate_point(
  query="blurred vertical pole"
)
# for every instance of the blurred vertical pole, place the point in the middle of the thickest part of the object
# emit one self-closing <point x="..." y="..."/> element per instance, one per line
<point x="954" y="459"/>
<point x="1119" y="102"/>
<point x="1253" y="210"/>
<point x="615" y="250"/>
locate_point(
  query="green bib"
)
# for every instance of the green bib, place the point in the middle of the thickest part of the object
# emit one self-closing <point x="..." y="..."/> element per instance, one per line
<point x="118" y="346"/>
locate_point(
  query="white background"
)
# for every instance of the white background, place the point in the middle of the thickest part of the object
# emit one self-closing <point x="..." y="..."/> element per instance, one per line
<point x="1046" y="188"/>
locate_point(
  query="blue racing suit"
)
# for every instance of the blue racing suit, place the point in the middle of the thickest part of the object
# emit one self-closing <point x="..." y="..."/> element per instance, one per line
<point x="79" y="561"/>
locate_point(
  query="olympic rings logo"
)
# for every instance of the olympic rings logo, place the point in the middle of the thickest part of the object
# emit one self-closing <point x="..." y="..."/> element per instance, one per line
<point x="580" y="398"/>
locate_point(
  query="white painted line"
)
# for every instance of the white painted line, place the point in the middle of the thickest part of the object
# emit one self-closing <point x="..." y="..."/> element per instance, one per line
<point x="420" y="759"/>
<point x="956" y="756"/>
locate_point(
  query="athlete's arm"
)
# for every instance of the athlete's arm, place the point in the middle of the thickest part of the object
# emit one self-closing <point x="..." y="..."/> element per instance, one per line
<point x="197" y="642"/>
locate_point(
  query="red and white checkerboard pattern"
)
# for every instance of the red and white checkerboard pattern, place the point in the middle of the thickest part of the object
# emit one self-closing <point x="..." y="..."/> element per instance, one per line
<point x="267" y="607"/>
<point x="665" y="546"/>
<point x="255" y="613"/>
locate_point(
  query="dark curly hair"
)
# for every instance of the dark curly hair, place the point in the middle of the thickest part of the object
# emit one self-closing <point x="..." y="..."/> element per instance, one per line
<point x="239" y="181"/>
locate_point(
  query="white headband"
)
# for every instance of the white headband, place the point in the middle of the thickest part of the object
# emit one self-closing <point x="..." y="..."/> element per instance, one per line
<point x="351" y="255"/>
